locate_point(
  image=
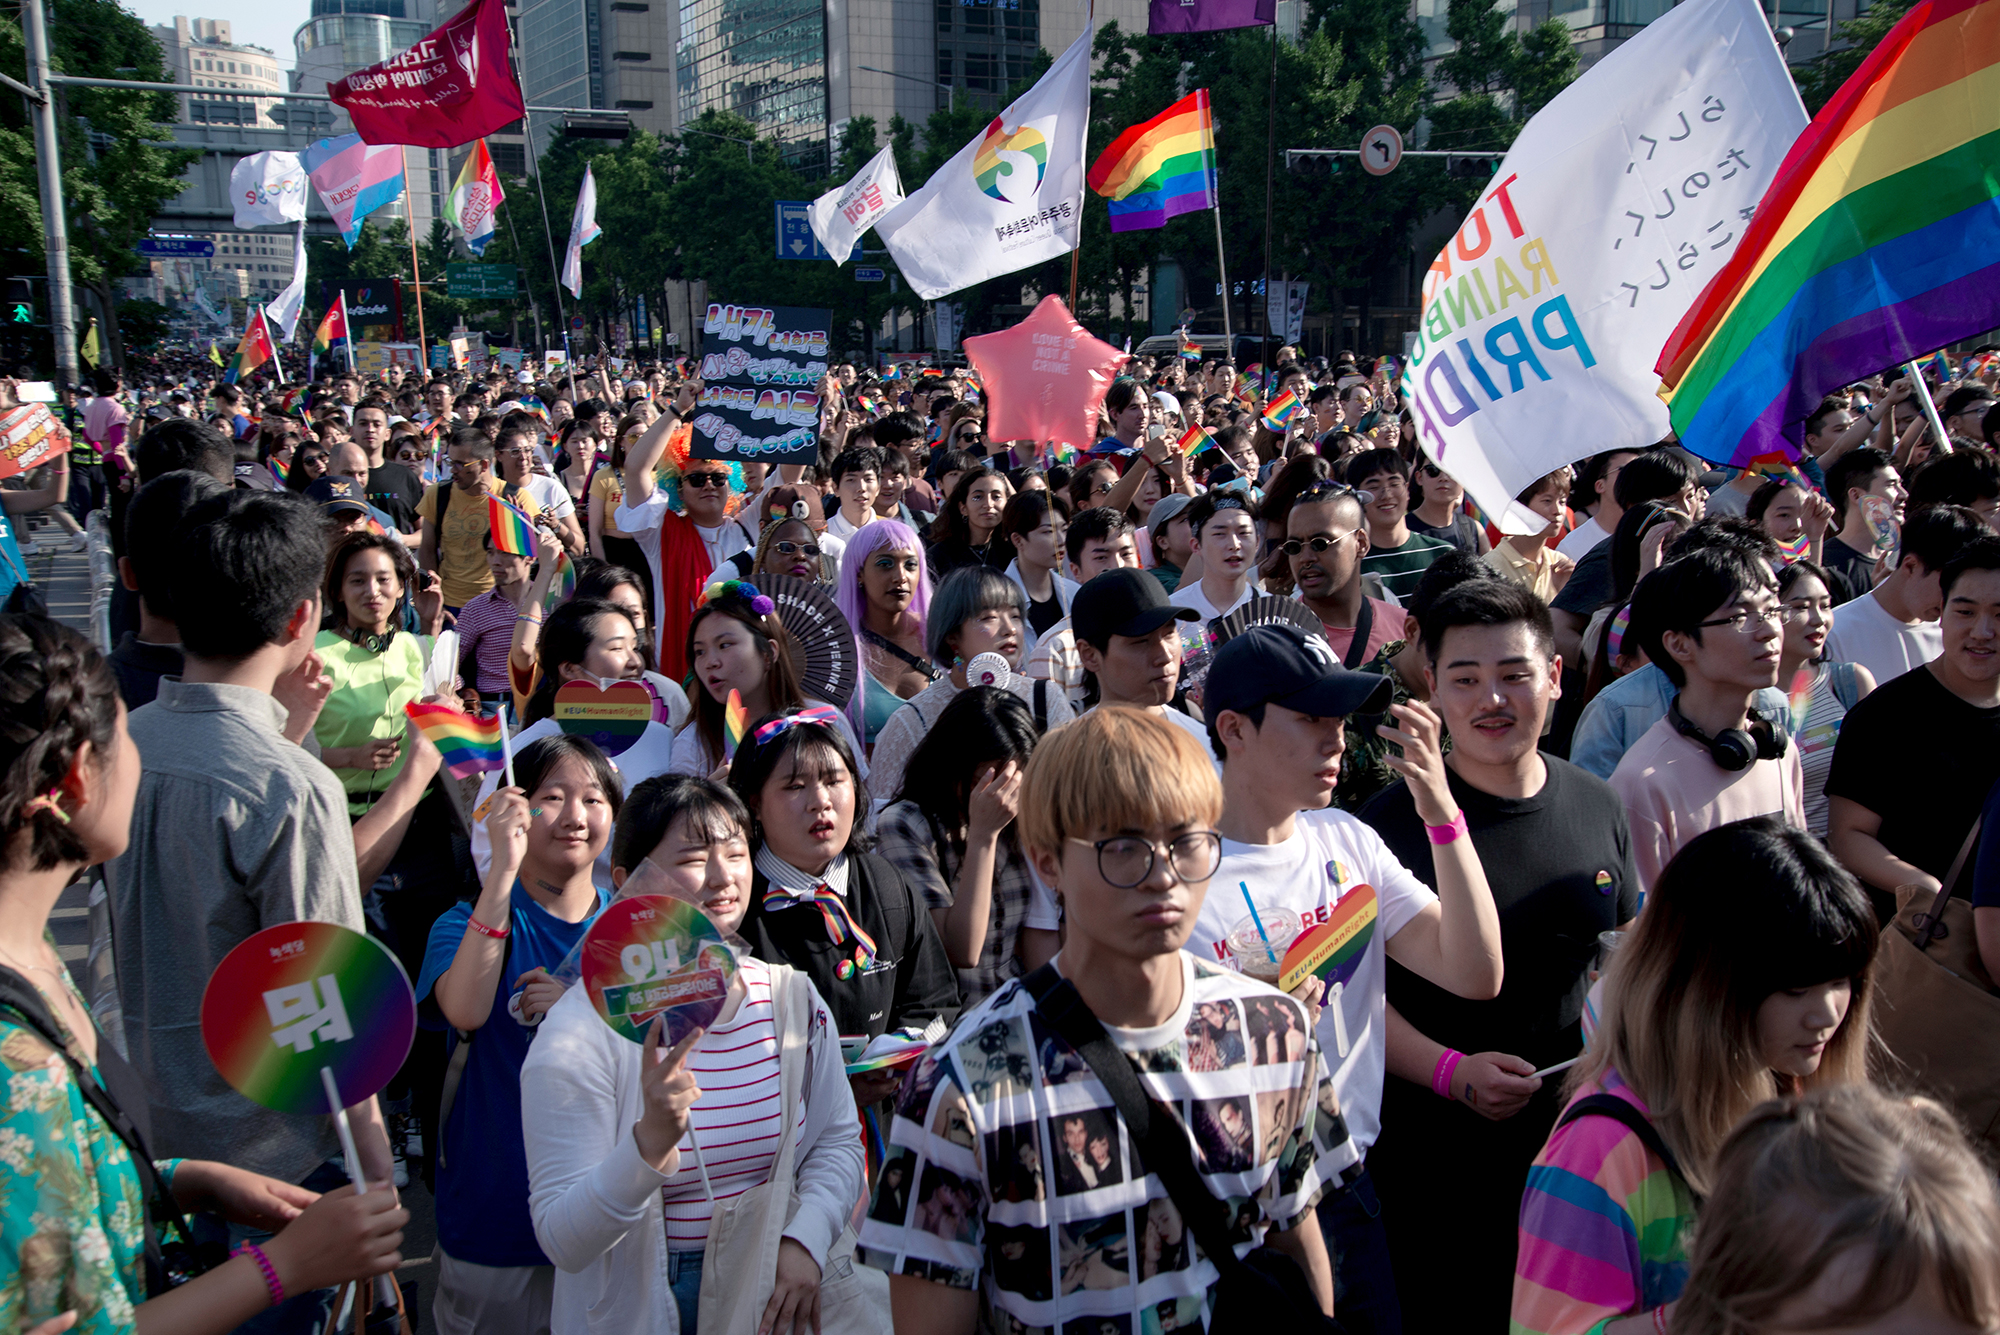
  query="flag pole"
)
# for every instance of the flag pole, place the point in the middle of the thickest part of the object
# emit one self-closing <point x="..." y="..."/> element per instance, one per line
<point x="1222" y="274"/>
<point x="277" y="360"/>
<point x="346" y="330"/>
<point x="416" y="273"/>
<point x="1923" y="389"/>
<point x="1076" y="255"/>
<point x="535" y="165"/>
<point x="1270" y="153"/>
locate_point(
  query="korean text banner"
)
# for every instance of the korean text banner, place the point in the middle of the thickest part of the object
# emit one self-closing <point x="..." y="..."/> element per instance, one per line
<point x="1543" y="315"/>
<point x="761" y="369"/>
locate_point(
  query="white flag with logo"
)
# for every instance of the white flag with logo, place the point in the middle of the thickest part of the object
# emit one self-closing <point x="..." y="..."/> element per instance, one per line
<point x="285" y="307"/>
<point x="1621" y="198"/>
<point x="841" y="215"/>
<point x="1011" y="198"/>
<point x="268" y="187"/>
<point x="583" y="230"/>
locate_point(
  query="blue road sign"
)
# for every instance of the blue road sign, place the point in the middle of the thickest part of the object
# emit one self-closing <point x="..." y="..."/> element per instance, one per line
<point x="869" y="275"/>
<point x="177" y="248"/>
<point x="795" y="234"/>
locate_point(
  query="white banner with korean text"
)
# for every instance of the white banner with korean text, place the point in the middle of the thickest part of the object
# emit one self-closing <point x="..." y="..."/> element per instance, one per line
<point x="1543" y="316"/>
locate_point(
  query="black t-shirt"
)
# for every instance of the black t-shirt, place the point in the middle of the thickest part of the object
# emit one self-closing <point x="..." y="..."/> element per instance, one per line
<point x="394" y="490"/>
<point x="1851" y="573"/>
<point x="1461" y="532"/>
<point x="1923" y="760"/>
<point x="1560" y="867"/>
<point x="1043" y="614"/>
<point x="1590" y="585"/>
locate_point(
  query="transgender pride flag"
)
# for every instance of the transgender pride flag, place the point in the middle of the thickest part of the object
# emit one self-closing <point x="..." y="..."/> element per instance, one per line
<point x="354" y="179"/>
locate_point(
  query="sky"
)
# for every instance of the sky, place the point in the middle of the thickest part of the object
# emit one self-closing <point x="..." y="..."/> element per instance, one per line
<point x="270" y="23"/>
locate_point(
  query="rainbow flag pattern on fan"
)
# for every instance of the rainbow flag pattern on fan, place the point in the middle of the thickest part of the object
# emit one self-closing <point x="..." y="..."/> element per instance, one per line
<point x="469" y="745"/>
<point x="513" y="531"/>
<point x="1161" y="168"/>
<point x="1877" y="242"/>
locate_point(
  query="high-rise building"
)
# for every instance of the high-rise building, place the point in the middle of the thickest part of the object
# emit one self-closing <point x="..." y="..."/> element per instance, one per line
<point x="1805" y="27"/>
<point x="201" y="52"/>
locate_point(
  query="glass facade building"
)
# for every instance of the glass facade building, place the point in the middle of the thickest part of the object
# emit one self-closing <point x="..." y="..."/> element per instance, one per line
<point x="764" y="60"/>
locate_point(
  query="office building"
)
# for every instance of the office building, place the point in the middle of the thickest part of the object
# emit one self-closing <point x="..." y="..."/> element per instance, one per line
<point x="200" y="52"/>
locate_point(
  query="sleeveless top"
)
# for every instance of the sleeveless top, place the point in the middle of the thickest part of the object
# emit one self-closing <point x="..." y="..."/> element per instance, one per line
<point x="1833" y="694"/>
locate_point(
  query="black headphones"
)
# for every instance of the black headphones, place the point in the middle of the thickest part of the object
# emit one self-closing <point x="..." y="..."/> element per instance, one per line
<point x="374" y="644"/>
<point x="1733" y="749"/>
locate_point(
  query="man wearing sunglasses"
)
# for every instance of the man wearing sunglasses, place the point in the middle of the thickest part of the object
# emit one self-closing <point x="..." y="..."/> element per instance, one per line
<point x="1326" y="536"/>
<point x="1277" y="703"/>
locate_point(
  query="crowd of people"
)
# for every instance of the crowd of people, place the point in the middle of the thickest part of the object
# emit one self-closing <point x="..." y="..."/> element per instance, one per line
<point x="1605" y="846"/>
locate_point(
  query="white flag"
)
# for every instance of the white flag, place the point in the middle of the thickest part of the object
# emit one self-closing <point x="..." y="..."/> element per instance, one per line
<point x="583" y="230"/>
<point x="841" y="215"/>
<point x="1621" y="198"/>
<point x="285" y="307"/>
<point x="268" y="187"/>
<point x="1011" y="198"/>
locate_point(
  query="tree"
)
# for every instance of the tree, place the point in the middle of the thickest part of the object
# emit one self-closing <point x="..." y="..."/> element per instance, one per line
<point x="142" y="324"/>
<point x="1820" y="78"/>
<point x="116" y="174"/>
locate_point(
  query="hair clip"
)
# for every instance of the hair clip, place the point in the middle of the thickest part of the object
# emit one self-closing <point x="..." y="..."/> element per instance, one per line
<point x="819" y="716"/>
<point x="46" y="802"/>
<point x="760" y="602"/>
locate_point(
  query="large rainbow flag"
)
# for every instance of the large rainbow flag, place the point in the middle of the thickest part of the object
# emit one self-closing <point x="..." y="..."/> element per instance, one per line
<point x="1160" y="168"/>
<point x="1878" y="241"/>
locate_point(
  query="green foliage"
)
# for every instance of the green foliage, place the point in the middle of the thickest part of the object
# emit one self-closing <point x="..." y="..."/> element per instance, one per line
<point x="142" y="324"/>
<point x="1820" y="78"/>
<point x="115" y="177"/>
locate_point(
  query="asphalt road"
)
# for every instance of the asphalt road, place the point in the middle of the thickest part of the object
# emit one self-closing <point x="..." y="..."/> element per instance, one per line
<point x="64" y="577"/>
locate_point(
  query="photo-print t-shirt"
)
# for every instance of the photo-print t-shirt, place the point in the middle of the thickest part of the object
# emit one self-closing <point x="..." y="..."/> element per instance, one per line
<point x="1007" y="1162"/>
<point x="1333" y="870"/>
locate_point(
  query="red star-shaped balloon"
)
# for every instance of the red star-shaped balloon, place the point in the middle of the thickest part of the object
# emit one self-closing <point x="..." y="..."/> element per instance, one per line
<point x="1044" y="378"/>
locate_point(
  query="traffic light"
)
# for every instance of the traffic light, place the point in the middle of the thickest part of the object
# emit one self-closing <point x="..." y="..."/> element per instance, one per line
<point x="1471" y="168"/>
<point x="20" y="307"/>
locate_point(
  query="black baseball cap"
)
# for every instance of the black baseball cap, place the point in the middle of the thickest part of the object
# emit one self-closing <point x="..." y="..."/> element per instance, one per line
<point x="1122" y="602"/>
<point x="338" y="495"/>
<point x="1282" y="665"/>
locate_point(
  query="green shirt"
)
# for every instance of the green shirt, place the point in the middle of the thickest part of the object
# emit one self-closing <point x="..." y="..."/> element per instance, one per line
<point x="1401" y="567"/>
<point x="369" y="692"/>
<point x="1168" y="575"/>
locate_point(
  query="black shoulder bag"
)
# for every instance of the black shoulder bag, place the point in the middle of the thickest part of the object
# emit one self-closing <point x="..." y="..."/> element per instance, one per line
<point x="1258" y="1293"/>
<point x="1618" y="1110"/>
<point x="170" y="1265"/>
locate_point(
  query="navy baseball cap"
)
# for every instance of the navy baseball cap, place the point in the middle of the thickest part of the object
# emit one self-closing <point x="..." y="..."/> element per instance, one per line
<point x="338" y="495"/>
<point x="1282" y="665"/>
<point x="1122" y="602"/>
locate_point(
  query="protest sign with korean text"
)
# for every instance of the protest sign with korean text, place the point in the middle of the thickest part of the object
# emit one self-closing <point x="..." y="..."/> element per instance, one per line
<point x="761" y="370"/>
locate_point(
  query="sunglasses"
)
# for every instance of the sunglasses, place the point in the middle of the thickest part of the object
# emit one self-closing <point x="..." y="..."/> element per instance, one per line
<point x="704" y="479"/>
<point x="1293" y="546"/>
<point x="795" y="548"/>
<point x="1430" y="470"/>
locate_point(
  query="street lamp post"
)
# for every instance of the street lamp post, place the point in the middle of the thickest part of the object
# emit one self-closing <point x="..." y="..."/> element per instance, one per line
<point x="950" y="90"/>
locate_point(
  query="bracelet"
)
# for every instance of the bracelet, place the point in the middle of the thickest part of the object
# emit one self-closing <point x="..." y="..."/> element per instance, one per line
<point x="1441" y="1074"/>
<point x="271" y="1281"/>
<point x="527" y="617"/>
<point x="1660" y="1319"/>
<point x="1445" y="834"/>
<point x="497" y="933"/>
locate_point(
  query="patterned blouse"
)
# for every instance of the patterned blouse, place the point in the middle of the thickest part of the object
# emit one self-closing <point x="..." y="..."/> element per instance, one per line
<point x="72" y="1213"/>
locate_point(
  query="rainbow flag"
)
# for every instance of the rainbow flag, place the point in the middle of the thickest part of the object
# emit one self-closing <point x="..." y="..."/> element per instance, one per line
<point x="1190" y="350"/>
<point x="1286" y="406"/>
<point x="1194" y="440"/>
<point x="735" y="724"/>
<point x="255" y="349"/>
<point x="1878" y="241"/>
<point x="513" y="531"/>
<point x="469" y="745"/>
<point x="1161" y="168"/>
<point x="278" y="469"/>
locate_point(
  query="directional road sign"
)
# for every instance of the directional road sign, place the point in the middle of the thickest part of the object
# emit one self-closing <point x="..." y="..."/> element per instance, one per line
<point x="1381" y="150"/>
<point x="795" y="234"/>
<point x="869" y="275"/>
<point x="176" y="247"/>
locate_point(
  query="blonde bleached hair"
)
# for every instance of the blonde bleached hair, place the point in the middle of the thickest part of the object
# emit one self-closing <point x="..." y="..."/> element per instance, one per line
<point x="1843" y="1181"/>
<point x="1115" y="769"/>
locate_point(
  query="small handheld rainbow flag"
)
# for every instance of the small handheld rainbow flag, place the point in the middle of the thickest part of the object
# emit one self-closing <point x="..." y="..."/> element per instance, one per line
<point x="1195" y="440"/>
<point x="562" y="585"/>
<point x="1190" y="350"/>
<point x="735" y="724"/>
<point x="278" y="469"/>
<point x="513" y="532"/>
<point x="469" y="745"/>
<point x="1281" y="411"/>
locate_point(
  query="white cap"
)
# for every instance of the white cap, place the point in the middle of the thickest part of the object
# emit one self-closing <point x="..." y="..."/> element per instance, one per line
<point x="524" y="378"/>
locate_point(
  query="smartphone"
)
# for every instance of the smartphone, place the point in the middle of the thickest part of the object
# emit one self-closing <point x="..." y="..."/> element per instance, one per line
<point x="1156" y="432"/>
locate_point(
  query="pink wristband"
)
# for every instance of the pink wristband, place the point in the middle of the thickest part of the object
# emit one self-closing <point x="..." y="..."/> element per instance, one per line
<point x="1444" y="834"/>
<point x="271" y="1282"/>
<point x="1441" y="1074"/>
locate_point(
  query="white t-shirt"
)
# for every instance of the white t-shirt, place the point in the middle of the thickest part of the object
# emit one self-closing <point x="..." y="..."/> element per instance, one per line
<point x="1576" y="544"/>
<point x="1190" y="595"/>
<point x="550" y="494"/>
<point x="1863" y="632"/>
<point x="1332" y="867"/>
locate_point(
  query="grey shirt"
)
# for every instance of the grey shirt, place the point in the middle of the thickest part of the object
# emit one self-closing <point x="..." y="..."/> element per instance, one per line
<point x="235" y="829"/>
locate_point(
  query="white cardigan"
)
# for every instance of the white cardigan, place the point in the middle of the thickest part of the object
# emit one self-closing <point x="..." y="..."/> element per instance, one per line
<point x="596" y="1204"/>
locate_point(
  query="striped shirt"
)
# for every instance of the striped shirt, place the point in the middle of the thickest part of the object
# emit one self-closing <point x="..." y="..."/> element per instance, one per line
<point x="486" y="631"/>
<point x="1604" y="1227"/>
<point x="738" y="1120"/>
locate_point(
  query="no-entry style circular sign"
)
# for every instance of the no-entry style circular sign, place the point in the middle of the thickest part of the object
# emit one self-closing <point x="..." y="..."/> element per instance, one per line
<point x="301" y="997"/>
<point x="650" y="955"/>
<point x="1381" y="150"/>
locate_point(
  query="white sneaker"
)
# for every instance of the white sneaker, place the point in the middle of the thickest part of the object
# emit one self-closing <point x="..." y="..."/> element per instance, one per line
<point x="79" y="541"/>
<point x="29" y="547"/>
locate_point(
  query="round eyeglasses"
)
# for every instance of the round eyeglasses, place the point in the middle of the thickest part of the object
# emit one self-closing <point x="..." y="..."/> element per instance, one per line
<point x="1126" y="860"/>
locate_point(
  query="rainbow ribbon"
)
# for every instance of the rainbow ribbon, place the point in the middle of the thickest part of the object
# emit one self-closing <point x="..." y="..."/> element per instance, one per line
<point x="840" y="925"/>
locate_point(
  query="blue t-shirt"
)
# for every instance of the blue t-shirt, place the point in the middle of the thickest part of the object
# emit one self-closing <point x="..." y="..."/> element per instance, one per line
<point x="13" y="565"/>
<point x="482" y="1180"/>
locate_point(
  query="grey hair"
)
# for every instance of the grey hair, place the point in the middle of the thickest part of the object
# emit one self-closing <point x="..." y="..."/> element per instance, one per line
<point x="964" y="594"/>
